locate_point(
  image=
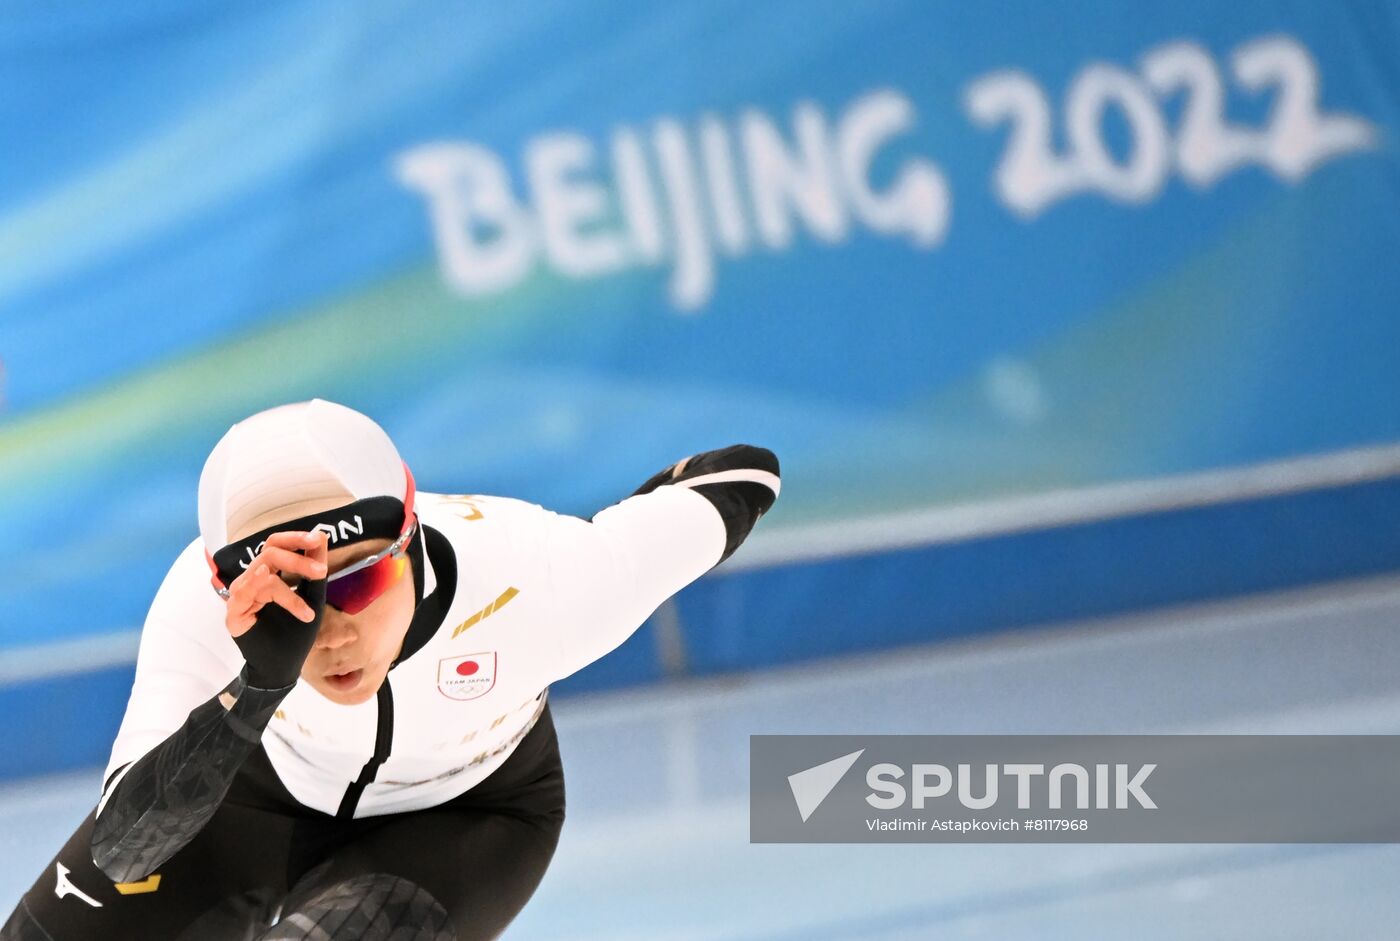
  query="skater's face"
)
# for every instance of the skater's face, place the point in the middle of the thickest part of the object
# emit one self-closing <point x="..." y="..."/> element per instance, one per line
<point x="353" y="652"/>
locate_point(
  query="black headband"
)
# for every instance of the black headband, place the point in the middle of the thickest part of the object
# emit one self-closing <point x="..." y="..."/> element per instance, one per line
<point x="371" y="518"/>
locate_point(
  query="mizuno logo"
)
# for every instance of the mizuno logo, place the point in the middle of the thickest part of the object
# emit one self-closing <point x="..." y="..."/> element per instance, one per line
<point x="63" y="888"/>
<point x="337" y="532"/>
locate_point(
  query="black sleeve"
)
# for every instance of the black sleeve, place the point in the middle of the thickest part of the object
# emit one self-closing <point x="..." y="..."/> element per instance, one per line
<point x="742" y="482"/>
<point x="171" y="792"/>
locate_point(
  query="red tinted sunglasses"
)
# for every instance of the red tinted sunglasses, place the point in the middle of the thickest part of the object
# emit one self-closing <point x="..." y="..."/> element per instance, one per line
<point x="354" y="588"/>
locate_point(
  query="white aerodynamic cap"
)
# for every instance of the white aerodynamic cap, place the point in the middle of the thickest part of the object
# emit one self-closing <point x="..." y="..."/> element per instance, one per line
<point x="289" y="456"/>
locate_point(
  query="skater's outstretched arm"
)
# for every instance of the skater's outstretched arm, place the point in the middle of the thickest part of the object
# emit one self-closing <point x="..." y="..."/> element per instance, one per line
<point x="607" y="576"/>
<point x="740" y="481"/>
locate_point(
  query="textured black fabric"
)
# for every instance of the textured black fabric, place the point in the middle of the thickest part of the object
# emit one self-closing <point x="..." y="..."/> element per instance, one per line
<point x="374" y="907"/>
<point x="21" y="926"/>
<point x="276" y="646"/>
<point x="172" y="791"/>
<point x="480" y="856"/>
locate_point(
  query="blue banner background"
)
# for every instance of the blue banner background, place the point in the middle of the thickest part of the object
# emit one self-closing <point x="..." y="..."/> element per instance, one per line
<point x="202" y="213"/>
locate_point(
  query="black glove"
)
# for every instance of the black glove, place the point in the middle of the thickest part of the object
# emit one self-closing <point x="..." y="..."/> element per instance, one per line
<point x="740" y="502"/>
<point x="278" y="642"/>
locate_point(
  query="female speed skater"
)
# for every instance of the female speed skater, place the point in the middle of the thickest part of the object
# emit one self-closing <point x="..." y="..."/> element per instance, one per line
<point x="339" y="726"/>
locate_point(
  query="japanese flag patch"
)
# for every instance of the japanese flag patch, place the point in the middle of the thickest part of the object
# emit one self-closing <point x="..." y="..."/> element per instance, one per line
<point x="467" y="677"/>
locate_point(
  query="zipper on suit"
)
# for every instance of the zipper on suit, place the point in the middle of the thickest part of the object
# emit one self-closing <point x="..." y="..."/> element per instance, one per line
<point x="383" y="740"/>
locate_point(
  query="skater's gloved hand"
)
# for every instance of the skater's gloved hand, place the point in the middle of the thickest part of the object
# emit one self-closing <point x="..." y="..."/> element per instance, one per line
<point x="274" y="624"/>
<point x="741" y="481"/>
<point x="736" y="457"/>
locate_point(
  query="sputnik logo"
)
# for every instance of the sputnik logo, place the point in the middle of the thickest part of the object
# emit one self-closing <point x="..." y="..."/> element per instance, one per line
<point x="811" y="787"/>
